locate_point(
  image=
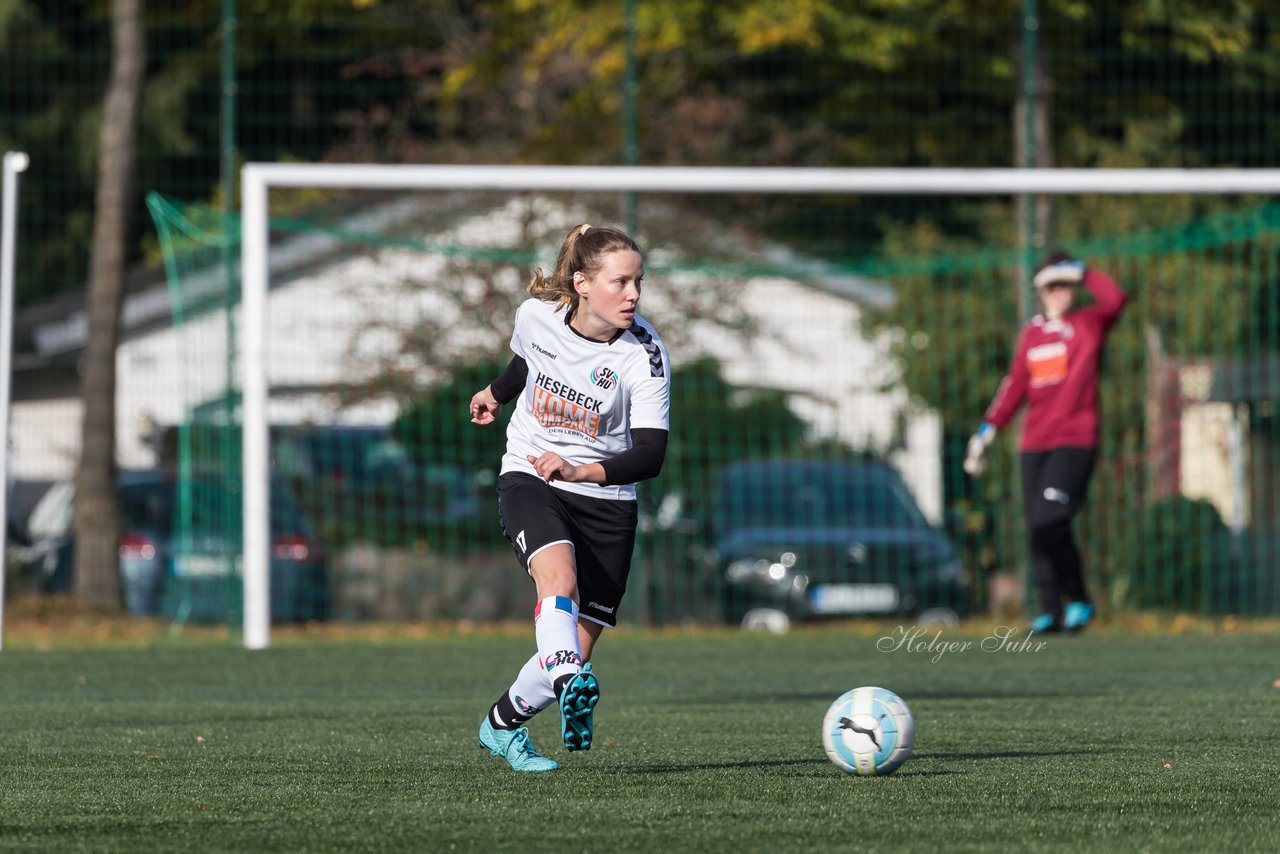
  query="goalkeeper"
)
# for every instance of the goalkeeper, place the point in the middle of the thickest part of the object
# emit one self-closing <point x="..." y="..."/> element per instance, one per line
<point x="1054" y="371"/>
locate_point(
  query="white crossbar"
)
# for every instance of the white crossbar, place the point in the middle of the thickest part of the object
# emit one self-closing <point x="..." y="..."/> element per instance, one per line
<point x="694" y="179"/>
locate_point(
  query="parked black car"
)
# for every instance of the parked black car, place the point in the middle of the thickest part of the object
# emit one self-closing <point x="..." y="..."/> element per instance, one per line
<point x="192" y="577"/>
<point x="360" y="482"/>
<point x="814" y="539"/>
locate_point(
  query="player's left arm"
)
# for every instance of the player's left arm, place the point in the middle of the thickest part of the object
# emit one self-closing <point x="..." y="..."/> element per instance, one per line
<point x="649" y="418"/>
<point x="641" y="461"/>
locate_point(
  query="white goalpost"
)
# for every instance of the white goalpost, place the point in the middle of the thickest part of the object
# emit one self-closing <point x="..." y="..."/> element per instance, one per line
<point x="14" y="163"/>
<point x="258" y="179"/>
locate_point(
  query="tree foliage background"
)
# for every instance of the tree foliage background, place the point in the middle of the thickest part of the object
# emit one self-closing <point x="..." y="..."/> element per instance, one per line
<point x="811" y="83"/>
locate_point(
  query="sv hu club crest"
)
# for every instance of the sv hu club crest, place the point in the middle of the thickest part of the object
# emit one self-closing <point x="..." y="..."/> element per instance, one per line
<point x="604" y="378"/>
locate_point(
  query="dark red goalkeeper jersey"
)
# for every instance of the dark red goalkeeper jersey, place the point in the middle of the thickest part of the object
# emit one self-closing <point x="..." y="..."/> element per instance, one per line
<point x="1055" y="371"/>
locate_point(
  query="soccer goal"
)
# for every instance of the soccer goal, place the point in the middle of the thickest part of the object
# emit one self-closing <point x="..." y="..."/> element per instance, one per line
<point x="856" y="322"/>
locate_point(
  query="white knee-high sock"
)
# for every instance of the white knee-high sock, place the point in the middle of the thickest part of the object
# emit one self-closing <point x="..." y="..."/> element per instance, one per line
<point x="555" y="625"/>
<point x="528" y="695"/>
<point x="531" y="692"/>
<point x="559" y="657"/>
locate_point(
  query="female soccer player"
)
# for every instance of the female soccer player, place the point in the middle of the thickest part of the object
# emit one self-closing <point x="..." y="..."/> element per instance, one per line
<point x="1055" y="372"/>
<point x="593" y="383"/>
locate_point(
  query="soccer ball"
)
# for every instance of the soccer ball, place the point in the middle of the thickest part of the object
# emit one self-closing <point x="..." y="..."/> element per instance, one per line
<point x="868" y="732"/>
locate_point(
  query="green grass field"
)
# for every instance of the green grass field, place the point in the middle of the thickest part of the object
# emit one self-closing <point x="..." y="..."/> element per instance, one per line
<point x="707" y="742"/>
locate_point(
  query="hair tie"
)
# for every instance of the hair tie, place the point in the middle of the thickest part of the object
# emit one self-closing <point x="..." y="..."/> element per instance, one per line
<point x="586" y="226"/>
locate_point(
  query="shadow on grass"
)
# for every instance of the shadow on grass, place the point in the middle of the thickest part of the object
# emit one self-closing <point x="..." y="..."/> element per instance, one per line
<point x="1000" y="754"/>
<point x="1038" y="693"/>
<point x="720" y="766"/>
<point x="820" y="762"/>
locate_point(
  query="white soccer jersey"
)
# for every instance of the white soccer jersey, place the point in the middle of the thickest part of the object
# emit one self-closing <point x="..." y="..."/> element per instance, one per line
<point x="582" y="398"/>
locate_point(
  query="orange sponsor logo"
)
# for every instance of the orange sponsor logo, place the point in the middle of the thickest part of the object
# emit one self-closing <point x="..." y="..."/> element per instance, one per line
<point x="1047" y="364"/>
<point x="558" y="413"/>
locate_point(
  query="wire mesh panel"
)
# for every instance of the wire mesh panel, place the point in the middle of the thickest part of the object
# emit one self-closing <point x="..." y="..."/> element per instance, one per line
<point x="876" y="324"/>
<point x="820" y="407"/>
<point x="194" y="431"/>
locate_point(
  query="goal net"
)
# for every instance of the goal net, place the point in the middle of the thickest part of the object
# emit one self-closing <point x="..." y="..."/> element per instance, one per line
<point x="836" y="336"/>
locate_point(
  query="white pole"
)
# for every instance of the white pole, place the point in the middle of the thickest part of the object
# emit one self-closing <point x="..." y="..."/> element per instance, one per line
<point x="253" y="409"/>
<point x="14" y="162"/>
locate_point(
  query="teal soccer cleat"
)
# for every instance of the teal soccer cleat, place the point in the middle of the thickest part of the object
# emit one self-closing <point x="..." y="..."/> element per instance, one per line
<point x="1079" y="615"/>
<point x="514" y="746"/>
<point x="1045" y="624"/>
<point x="577" y="702"/>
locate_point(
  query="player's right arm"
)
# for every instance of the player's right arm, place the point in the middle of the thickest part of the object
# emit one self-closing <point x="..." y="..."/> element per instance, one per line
<point x="487" y="403"/>
<point x="1012" y="390"/>
<point x="1009" y="397"/>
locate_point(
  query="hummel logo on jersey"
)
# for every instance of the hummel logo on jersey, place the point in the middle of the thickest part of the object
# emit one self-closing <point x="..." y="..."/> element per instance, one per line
<point x="520" y="540"/>
<point x="564" y="656"/>
<point x="599" y="607"/>
<point x="546" y="353"/>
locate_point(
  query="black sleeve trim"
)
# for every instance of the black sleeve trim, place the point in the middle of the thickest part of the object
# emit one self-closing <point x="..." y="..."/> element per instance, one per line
<point x="641" y="461"/>
<point x="508" y="386"/>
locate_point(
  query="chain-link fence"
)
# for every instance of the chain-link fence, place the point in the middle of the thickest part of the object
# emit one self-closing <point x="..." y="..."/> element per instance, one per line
<point x="892" y="318"/>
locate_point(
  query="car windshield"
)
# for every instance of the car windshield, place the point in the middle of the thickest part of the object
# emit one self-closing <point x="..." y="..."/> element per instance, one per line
<point x="154" y="505"/>
<point x="816" y="496"/>
<point x="354" y="454"/>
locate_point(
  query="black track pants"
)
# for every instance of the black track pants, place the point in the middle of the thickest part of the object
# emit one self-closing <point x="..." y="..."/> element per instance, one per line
<point x="1053" y="489"/>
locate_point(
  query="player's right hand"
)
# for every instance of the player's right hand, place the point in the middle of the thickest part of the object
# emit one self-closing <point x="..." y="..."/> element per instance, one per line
<point x="975" y="454"/>
<point x="484" y="407"/>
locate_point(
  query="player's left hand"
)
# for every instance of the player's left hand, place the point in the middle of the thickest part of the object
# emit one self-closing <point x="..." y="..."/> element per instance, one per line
<point x="551" y="466"/>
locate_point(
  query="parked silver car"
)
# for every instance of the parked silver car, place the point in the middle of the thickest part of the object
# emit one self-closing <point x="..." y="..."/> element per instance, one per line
<point x="190" y="570"/>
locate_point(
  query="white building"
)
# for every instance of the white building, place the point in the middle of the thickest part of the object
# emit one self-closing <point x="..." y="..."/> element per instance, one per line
<point x="338" y="318"/>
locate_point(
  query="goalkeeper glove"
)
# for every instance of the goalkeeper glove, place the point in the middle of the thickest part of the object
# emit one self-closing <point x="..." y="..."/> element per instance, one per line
<point x="975" y="455"/>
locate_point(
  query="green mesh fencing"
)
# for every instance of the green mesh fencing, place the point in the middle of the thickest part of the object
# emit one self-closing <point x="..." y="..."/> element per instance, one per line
<point x="820" y="408"/>
<point x="201" y="442"/>
<point x="918" y="83"/>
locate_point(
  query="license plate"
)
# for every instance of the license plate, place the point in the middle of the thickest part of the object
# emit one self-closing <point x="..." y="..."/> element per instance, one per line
<point x="205" y="566"/>
<point x="853" y="598"/>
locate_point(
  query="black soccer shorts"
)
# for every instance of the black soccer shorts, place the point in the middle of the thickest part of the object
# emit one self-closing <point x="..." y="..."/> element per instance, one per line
<point x="602" y="531"/>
